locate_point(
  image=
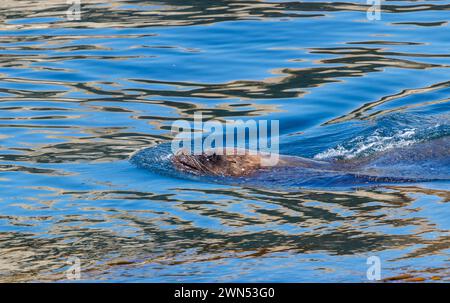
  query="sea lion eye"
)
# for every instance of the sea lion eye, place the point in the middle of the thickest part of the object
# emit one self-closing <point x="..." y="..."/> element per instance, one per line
<point x="213" y="158"/>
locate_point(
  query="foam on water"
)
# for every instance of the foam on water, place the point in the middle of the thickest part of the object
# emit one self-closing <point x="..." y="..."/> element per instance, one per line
<point x="361" y="146"/>
<point x="389" y="132"/>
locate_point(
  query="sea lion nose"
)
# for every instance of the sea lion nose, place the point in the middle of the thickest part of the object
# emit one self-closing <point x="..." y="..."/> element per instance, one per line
<point x="181" y="152"/>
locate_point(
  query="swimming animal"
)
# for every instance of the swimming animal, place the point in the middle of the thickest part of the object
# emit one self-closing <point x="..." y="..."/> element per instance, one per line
<point x="237" y="162"/>
<point x="418" y="162"/>
<point x="406" y="163"/>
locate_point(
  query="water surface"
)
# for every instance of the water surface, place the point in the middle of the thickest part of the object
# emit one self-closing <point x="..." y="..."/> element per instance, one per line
<point x="78" y="97"/>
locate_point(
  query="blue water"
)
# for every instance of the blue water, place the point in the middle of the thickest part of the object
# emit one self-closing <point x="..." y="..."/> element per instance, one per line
<point x="77" y="98"/>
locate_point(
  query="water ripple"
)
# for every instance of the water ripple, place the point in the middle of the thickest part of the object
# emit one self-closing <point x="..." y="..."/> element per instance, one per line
<point x="78" y="97"/>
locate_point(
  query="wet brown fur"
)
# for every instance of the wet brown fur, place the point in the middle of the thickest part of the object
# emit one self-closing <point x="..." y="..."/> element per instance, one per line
<point x="228" y="163"/>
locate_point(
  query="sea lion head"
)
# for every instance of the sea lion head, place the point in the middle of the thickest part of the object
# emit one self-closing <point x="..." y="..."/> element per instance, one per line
<point x="225" y="162"/>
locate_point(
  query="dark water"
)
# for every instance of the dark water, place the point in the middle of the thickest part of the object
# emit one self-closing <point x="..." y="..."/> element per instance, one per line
<point x="77" y="98"/>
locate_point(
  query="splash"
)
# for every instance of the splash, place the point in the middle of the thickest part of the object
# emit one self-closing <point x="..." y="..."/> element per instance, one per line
<point x="389" y="132"/>
<point x="365" y="146"/>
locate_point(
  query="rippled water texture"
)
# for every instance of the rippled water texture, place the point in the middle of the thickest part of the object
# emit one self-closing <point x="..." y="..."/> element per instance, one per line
<point x="78" y="97"/>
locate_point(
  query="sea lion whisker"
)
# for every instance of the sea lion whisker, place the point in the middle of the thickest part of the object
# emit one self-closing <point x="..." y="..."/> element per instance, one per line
<point x="203" y="166"/>
<point x="190" y="166"/>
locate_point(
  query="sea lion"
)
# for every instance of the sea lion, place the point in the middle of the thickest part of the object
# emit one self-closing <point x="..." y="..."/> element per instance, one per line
<point x="417" y="162"/>
<point x="236" y="162"/>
